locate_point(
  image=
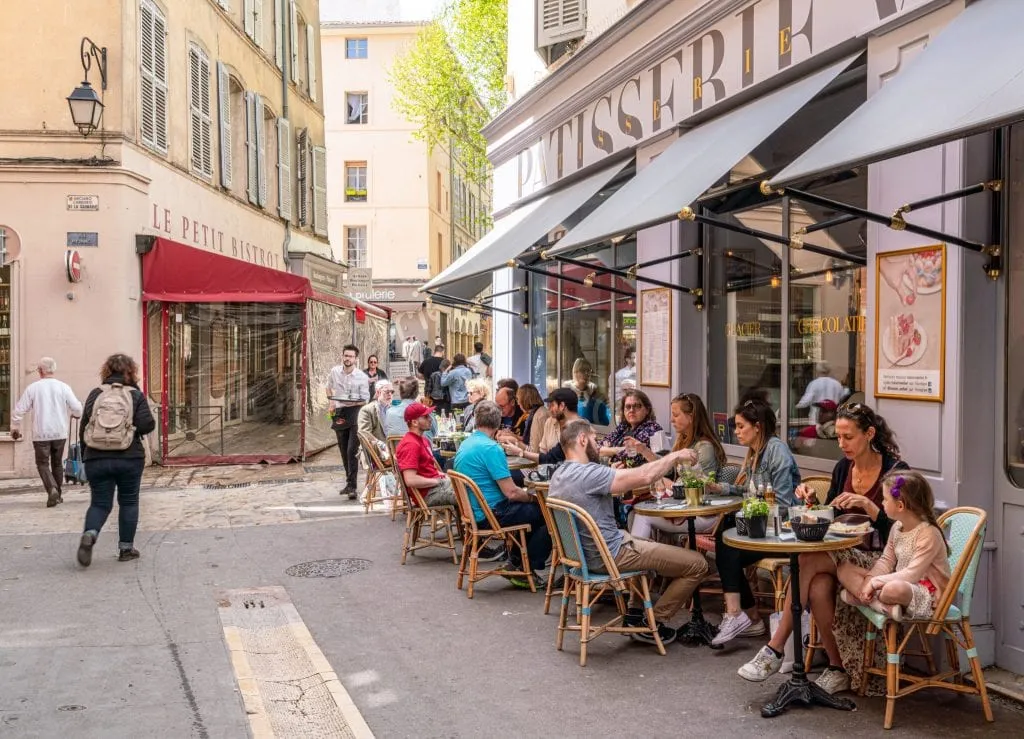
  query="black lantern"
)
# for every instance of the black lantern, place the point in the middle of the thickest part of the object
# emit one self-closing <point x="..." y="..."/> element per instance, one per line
<point x="85" y="104"/>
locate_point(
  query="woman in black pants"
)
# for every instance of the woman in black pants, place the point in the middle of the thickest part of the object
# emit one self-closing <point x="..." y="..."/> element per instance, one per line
<point x="114" y="469"/>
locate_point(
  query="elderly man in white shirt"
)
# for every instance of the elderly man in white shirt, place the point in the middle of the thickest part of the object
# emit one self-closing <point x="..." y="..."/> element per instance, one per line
<point x="822" y="387"/>
<point x="52" y="404"/>
<point x="349" y="390"/>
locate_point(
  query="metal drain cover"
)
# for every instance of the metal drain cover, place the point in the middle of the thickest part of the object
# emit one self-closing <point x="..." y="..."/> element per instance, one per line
<point x="329" y="567"/>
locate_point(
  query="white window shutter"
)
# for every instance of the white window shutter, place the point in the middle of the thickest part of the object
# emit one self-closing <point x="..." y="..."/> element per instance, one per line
<point x="320" y="190"/>
<point x="560" y="20"/>
<point x="248" y="18"/>
<point x="252" y="153"/>
<point x="207" y="113"/>
<point x="224" y="119"/>
<point x="160" y="74"/>
<point x="311" y="61"/>
<point x="295" y="41"/>
<point x="284" y="168"/>
<point x="261" y="151"/>
<point x="147" y="81"/>
<point x="278" y="34"/>
<point x="257" y="24"/>
<point x="302" y="174"/>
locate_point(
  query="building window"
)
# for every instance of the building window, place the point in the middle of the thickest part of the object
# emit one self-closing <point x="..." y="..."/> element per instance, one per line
<point x="355" y="246"/>
<point x="200" y="120"/>
<point x="355" y="48"/>
<point x="358" y="106"/>
<point x="355" y="182"/>
<point x="153" y="77"/>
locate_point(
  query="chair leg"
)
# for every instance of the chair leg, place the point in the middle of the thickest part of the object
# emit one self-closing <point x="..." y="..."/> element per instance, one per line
<point x="812" y="639"/>
<point x="463" y="562"/>
<point x="585" y="624"/>
<point x="448" y="522"/>
<point x="407" y="539"/>
<point x="892" y="672"/>
<point x="869" y="657"/>
<point x="526" y="562"/>
<point x="926" y="650"/>
<point x="474" y="561"/>
<point x="551" y="582"/>
<point x="563" y="615"/>
<point x="645" y="593"/>
<point x="976" y="673"/>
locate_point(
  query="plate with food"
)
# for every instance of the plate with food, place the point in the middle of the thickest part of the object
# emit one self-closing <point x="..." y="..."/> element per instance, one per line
<point x="851" y="524"/>
<point x="904" y="342"/>
<point x="818" y="511"/>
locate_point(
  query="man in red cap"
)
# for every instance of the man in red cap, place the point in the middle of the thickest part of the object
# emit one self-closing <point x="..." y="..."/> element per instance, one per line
<point x="415" y="458"/>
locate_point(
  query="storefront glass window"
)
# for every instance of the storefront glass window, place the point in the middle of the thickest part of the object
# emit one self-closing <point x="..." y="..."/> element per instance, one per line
<point x="544" y="332"/>
<point x="744" y="317"/>
<point x="1015" y="312"/>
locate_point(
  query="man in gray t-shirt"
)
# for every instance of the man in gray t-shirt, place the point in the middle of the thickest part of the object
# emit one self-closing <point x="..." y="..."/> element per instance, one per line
<point x="582" y="480"/>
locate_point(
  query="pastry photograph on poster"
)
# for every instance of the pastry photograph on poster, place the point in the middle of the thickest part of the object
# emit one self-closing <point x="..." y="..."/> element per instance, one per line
<point x="910" y="329"/>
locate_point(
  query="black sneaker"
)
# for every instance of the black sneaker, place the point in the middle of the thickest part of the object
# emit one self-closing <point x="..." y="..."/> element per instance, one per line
<point x="667" y="634"/>
<point x="127" y="555"/>
<point x="491" y="554"/>
<point x="51" y="499"/>
<point x="85" y="549"/>
<point x="350" y="492"/>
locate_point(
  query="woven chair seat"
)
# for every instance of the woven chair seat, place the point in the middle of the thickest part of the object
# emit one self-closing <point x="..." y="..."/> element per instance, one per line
<point x="578" y="573"/>
<point x="879" y="619"/>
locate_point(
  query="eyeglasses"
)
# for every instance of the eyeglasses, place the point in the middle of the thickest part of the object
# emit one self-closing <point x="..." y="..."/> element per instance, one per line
<point x="633" y="406"/>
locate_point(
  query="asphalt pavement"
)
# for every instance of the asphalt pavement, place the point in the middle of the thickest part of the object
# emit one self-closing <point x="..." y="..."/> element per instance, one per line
<point x="138" y="648"/>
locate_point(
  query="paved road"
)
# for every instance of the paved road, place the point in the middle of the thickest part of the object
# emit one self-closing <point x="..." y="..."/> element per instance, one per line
<point x="139" y="648"/>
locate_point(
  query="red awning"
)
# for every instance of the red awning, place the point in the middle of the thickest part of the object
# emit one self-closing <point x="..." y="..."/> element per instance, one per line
<point x="176" y="273"/>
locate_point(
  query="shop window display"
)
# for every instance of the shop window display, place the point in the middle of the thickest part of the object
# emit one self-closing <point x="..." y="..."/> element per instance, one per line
<point x="1015" y="313"/>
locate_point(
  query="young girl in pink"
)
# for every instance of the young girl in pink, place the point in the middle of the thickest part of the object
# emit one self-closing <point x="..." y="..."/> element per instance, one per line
<point x="914" y="568"/>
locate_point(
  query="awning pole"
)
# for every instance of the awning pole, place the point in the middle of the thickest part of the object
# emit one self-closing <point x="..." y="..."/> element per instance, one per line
<point x="643" y="265"/>
<point x="574" y="280"/>
<point x="896" y="221"/>
<point x="619" y="273"/>
<point x="581" y="306"/>
<point x="492" y="296"/>
<point x="837" y="221"/>
<point x="687" y="214"/>
<point x="452" y="301"/>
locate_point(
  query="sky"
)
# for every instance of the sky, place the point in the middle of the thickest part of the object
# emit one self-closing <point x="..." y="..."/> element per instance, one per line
<point x="378" y="10"/>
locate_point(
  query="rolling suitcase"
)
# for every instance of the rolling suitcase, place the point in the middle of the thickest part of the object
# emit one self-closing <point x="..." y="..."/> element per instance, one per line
<point x="74" y="467"/>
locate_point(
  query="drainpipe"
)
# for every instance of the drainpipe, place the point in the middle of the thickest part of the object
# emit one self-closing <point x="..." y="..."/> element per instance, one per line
<point x="285" y="56"/>
<point x="451" y="209"/>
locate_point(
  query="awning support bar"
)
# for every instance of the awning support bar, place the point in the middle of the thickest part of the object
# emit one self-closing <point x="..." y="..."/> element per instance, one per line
<point x="621" y="273"/>
<point x="687" y="214"/>
<point x="581" y="306"/>
<point x="574" y="280"/>
<point x="514" y="290"/>
<point x="455" y="302"/>
<point x="837" y="221"/>
<point x="896" y="221"/>
<point x="696" y="252"/>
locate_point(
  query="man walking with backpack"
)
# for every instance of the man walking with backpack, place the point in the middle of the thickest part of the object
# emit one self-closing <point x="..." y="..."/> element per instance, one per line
<point x="52" y="403"/>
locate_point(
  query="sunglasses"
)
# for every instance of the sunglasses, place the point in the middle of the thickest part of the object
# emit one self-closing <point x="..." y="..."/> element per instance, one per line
<point x="633" y="407"/>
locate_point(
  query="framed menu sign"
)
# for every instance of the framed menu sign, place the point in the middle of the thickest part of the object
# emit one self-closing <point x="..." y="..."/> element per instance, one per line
<point x="656" y="337"/>
<point x="910" y="308"/>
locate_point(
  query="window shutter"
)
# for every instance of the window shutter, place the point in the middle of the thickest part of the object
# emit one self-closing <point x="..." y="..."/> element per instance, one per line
<point x="278" y="35"/>
<point x="224" y="118"/>
<point x="261" y="151"/>
<point x="560" y="20"/>
<point x="248" y="18"/>
<point x="320" y="190"/>
<point x="257" y="22"/>
<point x="200" y="123"/>
<point x="311" y="62"/>
<point x="252" y="153"/>
<point x="295" y="41"/>
<point x="160" y="73"/>
<point x="302" y="174"/>
<point x="284" y="169"/>
<point x="153" y="77"/>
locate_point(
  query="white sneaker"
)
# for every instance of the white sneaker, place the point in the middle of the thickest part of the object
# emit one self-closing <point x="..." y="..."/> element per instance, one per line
<point x="757" y="628"/>
<point x="731" y="627"/>
<point x="833" y="681"/>
<point x="765" y="664"/>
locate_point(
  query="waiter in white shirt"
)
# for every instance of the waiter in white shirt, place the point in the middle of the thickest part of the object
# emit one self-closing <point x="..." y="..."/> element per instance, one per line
<point x="52" y="403"/>
<point x="348" y="389"/>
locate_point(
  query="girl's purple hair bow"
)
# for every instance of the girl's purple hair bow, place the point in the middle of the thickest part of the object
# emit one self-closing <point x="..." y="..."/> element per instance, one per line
<point x="896" y="485"/>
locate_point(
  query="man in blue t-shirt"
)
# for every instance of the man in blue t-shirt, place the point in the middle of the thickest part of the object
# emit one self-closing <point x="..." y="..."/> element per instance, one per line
<point x="482" y="459"/>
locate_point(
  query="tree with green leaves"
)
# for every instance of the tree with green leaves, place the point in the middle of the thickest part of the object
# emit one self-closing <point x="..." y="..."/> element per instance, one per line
<point x="451" y="80"/>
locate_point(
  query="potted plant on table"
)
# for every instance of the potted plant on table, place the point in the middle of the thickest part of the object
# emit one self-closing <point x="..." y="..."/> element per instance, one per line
<point x="755" y="511"/>
<point x="691" y="482"/>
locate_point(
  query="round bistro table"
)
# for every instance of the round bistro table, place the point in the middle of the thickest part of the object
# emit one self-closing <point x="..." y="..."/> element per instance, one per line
<point x="798" y="687"/>
<point x="698" y="630"/>
<point x="520" y="463"/>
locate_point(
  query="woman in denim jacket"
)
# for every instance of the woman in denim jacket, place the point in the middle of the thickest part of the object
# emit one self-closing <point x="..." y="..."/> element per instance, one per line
<point x="769" y="457"/>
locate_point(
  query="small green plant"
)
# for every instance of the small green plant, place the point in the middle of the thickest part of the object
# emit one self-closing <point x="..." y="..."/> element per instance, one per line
<point x="694" y="477"/>
<point x="755" y="508"/>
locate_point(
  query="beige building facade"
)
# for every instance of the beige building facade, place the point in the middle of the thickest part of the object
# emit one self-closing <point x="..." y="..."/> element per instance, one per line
<point x="212" y="136"/>
<point x="399" y="213"/>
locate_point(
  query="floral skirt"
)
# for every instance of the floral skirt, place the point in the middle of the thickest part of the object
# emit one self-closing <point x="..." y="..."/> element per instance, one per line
<point x="850" y="626"/>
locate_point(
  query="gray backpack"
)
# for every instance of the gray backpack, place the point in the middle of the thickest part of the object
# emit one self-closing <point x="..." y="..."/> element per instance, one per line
<point x="111" y="427"/>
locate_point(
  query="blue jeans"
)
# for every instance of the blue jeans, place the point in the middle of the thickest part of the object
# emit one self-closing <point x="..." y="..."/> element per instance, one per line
<point x="105" y="476"/>
<point x="538" y="540"/>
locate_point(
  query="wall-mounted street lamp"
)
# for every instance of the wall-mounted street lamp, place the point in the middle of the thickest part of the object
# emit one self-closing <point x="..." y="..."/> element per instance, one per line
<point x="86" y="106"/>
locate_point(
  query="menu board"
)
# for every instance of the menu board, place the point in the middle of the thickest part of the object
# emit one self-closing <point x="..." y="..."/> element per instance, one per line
<point x="656" y="337"/>
<point x="910" y="307"/>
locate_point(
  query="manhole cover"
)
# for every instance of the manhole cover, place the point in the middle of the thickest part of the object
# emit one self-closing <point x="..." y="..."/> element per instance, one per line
<point x="329" y="567"/>
<point x="70" y="708"/>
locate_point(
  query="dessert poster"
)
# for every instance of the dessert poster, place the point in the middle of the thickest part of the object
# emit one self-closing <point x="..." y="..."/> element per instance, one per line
<point x="911" y="318"/>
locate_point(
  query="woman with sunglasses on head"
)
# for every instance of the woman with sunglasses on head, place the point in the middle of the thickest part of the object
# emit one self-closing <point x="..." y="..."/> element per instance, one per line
<point x="692" y="425"/>
<point x="768" y="457"/>
<point x="870" y="452"/>
<point x="374" y="372"/>
<point x="638" y="426"/>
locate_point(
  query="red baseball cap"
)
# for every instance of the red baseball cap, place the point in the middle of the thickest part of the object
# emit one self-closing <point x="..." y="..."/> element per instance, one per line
<point x="827" y="405"/>
<point x="414" y="411"/>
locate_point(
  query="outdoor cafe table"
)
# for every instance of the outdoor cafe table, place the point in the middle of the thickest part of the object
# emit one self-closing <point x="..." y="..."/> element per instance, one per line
<point x="798" y="688"/>
<point x="520" y="463"/>
<point x="697" y="630"/>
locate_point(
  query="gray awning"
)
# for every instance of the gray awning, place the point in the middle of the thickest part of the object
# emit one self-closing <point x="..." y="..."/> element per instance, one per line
<point x="970" y="78"/>
<point x="692" y="164"/>
<point x="517" y="232"/>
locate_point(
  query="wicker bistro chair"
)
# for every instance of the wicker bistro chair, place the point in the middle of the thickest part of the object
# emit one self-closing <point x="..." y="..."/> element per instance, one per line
<point x="964" y="528"/>
<point x="476" y="538"/>
<point x="542" y="501"/>
<point x="375" y="472"/>
<point x="438" y="520"/>
<point x="588" y="586"/>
